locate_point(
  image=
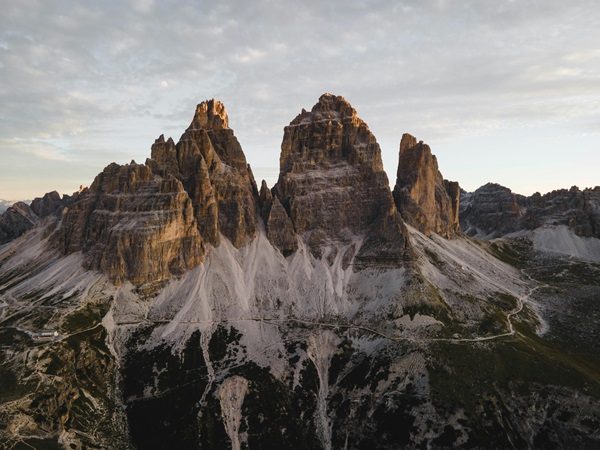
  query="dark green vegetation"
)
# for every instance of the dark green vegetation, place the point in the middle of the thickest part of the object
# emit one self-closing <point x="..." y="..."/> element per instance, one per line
<point x="498" y="386"/>
<point x="521" y="391"/>
<point x="163" y="391"/>
<point x="63" y="383"/>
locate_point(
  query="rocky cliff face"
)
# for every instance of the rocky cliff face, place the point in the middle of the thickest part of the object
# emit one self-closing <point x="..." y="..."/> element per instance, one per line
<point x="21" y="217"/>
<point x="147" y="222"/>
<point x="15" y="221"/>
<point x="578" y="209"/>
<point x="210" y="163"/>
<point x="425" y="199"/>
<point x="48" y="204"/>
<point x="493" y="210"/>
<point x="332" y="185"/>
<point x="133" y="226"/>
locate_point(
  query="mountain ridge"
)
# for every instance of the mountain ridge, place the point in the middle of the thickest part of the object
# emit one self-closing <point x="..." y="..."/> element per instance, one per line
<point x="173" y="304"/>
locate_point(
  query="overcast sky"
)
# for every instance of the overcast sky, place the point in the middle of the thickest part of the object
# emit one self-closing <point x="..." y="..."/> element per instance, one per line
<point x="503" y="91"/>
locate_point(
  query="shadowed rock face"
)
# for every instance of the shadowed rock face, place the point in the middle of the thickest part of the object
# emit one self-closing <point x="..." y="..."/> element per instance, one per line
<point x="331" y="182"/>
<point x="21" y="217"/>
<point x="48" y="204"/>
<point x="15" y="221"/>
<point x="491" y="210"/>
<point x="425" y="200"/>
<point x="494" y="210"/>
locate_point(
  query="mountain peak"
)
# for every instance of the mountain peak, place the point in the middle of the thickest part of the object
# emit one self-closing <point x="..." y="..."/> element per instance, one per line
<point x="211" y="115"/>
<point x="333" y="102"/>
<point x="329" y="107"/>
<point x="407" y="142"/>
<point x="332" y="183"/>
<point x="424" y="198"/>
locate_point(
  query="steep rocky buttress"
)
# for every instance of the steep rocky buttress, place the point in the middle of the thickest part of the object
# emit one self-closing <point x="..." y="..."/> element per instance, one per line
<point x="425" y="199"/>
<point x="332" y="186"/>
<point x="147" y="222"/>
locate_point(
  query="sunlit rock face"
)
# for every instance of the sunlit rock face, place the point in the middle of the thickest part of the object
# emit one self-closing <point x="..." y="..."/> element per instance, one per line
<point x="210" y="163"/>
<point x="147" y="222"/>
<point x="133" y="226"/>
<point x="332" y="184"/>
<point x="425" y="200"/>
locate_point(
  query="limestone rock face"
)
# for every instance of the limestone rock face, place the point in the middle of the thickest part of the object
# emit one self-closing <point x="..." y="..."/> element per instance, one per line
<point x="146" y="222"/>
<point x="210" y="115"/>
<point x="133" y="225"/>
<point x="265" y="201"/>
<point x="15" y="221"/>
<point x="576" y="208"/>
<point x="210" y="163"/>
<point x="48" y="204"/>
<point x="423" y="197"/>
<point x="493" y="210"/>
<point x="21" y="217"/>
<point x="453" y="190"/>
<point x="280" y="229"/>
<point x="332" y="183"/>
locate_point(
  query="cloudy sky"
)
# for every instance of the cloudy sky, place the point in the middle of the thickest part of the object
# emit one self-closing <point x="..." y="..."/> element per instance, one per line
<point x="504" y="91"/>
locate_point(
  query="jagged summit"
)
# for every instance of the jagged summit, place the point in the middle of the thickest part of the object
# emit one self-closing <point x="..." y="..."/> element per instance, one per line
<point x="329" y="106"/>
<point x="408" y="142"/>
<point x="424" y="198"/>
<point x="147" y="222"/>
<point x="332" y="183"/>
<point x="331" y="132"/>
<point x="210" y="115"/>
<point x="494" y="210"/>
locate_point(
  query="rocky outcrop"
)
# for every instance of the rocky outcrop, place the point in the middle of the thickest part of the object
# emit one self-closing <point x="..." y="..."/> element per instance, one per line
<point x="332" y="184"/>
<point x="133" y="225"/>
<point x="425" y="200"/>
<point x="280" y="229"/>
<point x="147" y="222"/>
<point x="48" y="204"/>
<point x="493" y="211"/>
<point x="578" y="209"/>
<point x="210" y="163"/>
<point x="278" y="225"/>
<point x="21" y="217"/>
<point x="15" y="221"/>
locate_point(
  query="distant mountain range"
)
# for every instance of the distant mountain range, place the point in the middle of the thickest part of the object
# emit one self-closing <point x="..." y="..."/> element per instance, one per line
<point x="177" y="304"/>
